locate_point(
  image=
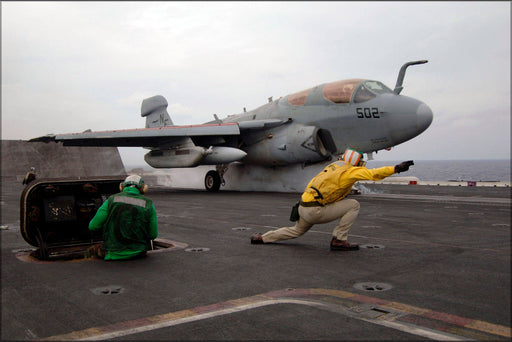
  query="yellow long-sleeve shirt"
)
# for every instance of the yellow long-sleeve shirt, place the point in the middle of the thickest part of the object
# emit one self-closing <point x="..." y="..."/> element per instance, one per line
<point x="336" y="180"/>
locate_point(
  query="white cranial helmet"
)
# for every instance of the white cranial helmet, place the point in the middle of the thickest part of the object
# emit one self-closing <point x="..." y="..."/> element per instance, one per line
<point x="134" y="180"/>
<point x="353" y="157"/>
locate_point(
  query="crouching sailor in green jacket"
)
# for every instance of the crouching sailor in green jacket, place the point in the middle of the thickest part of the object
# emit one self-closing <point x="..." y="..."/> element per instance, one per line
<point x="127" y="220"/>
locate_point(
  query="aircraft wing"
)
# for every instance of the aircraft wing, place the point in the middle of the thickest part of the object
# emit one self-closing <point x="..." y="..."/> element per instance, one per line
<point x="158" y="136"/>
<point x="146" y="137"/>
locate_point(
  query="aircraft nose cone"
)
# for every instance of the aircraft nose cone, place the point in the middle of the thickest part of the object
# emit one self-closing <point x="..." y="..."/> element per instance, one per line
<point x="424" y="116"/>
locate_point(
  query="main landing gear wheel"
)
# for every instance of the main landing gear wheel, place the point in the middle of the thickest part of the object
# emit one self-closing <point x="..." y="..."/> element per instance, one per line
<point x="212" y="181"/>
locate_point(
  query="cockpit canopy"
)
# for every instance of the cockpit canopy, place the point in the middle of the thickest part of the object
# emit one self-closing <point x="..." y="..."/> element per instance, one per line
<point x="367" y="90"/>
<point x="344" y="91"/>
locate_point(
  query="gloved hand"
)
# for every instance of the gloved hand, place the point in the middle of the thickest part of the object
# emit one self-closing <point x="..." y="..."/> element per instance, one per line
<point x="404" y="166"/>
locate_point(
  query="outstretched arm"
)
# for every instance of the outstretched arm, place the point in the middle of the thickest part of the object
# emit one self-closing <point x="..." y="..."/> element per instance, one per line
<point x="362" y="173"/>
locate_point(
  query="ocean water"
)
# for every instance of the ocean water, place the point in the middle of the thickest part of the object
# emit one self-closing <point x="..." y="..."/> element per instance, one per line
<point x="294" y="177"/>
<point x="454" y="170"/>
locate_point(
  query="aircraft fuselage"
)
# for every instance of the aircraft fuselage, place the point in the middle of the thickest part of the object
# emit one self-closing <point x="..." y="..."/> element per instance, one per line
<point x="347" y="113"/>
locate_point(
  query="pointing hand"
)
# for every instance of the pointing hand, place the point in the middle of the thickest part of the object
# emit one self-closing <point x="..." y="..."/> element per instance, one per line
<point x="404" y="166"/>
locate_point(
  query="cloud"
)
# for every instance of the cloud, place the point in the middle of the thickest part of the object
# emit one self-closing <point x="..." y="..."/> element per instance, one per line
<point x="69" y="66"/>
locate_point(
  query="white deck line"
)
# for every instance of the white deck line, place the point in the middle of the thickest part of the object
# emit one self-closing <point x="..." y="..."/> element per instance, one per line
<point x="408" y="328"/>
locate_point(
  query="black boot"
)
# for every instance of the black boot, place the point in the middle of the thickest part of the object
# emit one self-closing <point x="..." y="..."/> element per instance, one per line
<point x="339" y="245"/>
<point x="256" y="239"/>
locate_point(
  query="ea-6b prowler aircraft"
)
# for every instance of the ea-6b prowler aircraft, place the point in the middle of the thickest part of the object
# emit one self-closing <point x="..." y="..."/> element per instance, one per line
<point x="305" y="127"/>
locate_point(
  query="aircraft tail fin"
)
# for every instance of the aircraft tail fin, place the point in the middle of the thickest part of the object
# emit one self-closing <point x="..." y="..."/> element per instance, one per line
<point x="155" y="110"/>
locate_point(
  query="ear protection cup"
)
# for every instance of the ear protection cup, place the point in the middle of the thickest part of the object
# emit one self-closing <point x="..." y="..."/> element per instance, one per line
<point x="121" y="186"/>
<point x="144" y="189"/>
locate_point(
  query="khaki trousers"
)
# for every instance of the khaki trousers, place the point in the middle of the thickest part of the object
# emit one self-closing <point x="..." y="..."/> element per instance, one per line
<point x="346" y="209"/>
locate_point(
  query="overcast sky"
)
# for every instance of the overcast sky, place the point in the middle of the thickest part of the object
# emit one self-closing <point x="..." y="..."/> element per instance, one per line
<point x="72" y="66"/>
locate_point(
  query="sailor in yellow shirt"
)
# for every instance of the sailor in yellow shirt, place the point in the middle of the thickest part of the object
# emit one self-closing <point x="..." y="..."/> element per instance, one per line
<point x="324" y="200"/>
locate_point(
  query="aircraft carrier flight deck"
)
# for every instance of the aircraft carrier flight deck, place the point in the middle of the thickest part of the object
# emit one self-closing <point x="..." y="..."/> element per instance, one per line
<point x="434" y="264"/>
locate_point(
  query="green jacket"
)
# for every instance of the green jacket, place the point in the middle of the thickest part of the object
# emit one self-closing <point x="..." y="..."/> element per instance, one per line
<point x="128" y="222"/>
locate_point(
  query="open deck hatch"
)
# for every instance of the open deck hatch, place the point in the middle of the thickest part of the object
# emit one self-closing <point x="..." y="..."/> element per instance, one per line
<point x="55" y="214"/>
